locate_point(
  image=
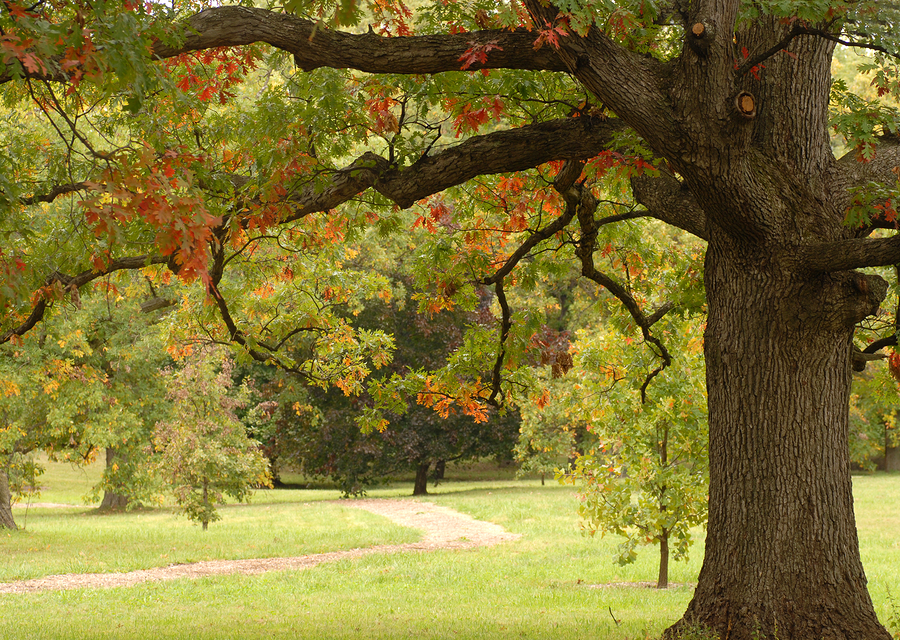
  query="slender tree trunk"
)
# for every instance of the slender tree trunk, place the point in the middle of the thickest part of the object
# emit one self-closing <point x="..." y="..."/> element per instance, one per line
<point x="6" y="516"/>
<point x="205" y="521"/>
<point x="662" y="582"/>
<point x="421" y="486"/>
<point x="891" y="454"/>
<point x="782" y="556"/>
<point x="112" y="501"/>
<point x="440" y="469"/>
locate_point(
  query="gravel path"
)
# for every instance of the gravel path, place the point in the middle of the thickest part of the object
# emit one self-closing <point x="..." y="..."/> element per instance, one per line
<point x="443" y="528"/>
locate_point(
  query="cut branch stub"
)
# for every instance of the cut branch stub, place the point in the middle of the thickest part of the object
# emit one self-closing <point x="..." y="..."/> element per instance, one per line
<point x="700" y="36"/>
<point x="745" y="104"/>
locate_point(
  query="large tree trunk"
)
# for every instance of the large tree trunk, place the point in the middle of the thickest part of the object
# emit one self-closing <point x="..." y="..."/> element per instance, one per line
<point x="6" y="516"/>
<point x="782" y="557"/>
<point x="421" y="486"/>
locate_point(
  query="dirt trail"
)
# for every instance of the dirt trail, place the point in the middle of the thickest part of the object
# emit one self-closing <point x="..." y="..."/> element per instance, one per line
<point x="443" y="528"/>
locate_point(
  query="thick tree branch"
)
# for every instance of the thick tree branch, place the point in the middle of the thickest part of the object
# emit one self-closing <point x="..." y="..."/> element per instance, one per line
<point x="516" y="149"/>
<point x="501" y="152"/>
<point x="315" y="46"/>
<point x="75" y="282"/>
<point x="850" y="176"/>
<point x="883" y="168"/>
<point x="340" y="187"/>
<point x="630" y="85"/>
<point x="670" y="201"/>
<point x="844" y="255"/>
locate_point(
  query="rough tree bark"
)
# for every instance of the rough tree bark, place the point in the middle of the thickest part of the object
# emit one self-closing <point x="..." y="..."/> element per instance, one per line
<point x="782" y="555"/>
<point x="6" y="516"/>
<point x="782" y="558"/>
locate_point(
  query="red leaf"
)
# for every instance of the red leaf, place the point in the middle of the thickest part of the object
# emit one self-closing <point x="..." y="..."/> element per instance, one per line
<point x="477" y="53"/>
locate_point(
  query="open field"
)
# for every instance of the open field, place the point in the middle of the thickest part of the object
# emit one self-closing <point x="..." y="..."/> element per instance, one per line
<point x="547" y="584"/>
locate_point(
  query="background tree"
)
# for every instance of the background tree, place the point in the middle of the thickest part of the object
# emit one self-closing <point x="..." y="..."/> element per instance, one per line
<point x="51" y="400"/>
<point x="203" y="448"/>
<point x="875" y="434"/>
<point x="719" y="111"/>
<point x="317" y="430"/>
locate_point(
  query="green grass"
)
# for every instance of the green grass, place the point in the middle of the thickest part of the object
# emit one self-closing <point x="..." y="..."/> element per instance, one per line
<point x="541" y="586"/>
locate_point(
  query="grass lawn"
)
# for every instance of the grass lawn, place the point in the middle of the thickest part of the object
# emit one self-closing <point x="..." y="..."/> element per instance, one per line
<point x="545" y="585"/>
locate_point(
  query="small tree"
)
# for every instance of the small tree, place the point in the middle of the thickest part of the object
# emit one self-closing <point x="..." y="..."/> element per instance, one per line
<point x="647" y="477"/>
<point x="874" y="408"/>
<point x="204" y="450"/>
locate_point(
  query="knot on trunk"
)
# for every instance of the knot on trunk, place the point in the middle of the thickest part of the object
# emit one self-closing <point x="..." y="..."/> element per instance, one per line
<point x="840" y="300"/>
<point x="867" y="293"/>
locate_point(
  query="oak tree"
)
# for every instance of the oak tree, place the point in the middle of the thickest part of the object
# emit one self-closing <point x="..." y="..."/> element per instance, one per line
<point x="719" y="112"/>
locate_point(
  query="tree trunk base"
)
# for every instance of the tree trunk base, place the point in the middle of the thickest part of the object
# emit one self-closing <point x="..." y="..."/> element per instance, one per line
<point x="662" y="581"/>
<point x="113" y="502"/>
<point x="892" y="459"/>
<point x="421" y="486"/>
<point x="829" y="617"/>
<point x="6" y="516"/>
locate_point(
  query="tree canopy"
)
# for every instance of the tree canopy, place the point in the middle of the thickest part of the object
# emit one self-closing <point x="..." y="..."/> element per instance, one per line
<point x="256" y="150"/>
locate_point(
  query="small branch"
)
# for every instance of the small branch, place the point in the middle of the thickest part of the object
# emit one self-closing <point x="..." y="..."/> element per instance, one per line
<point x="533" y="240"/>
<point x="801" y="30"/>
<point x="237" y="336"/>
<point x="54" y="193"/>
<point x="756" y="60"/>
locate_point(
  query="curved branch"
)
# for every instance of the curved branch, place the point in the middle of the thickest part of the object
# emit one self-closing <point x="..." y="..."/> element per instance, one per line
<point x="238" y="337"/>
<point x="75" y="282"/>
<point x="505" y="326"/>
<point x="585" y="251"/>
<point x="500" y="152"/>
<point x="516" y="149"/>
<point x="850" y="173"/>
<point x="315" y="46"/>
<point x="630" y="85"/>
